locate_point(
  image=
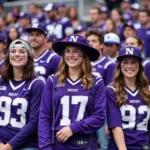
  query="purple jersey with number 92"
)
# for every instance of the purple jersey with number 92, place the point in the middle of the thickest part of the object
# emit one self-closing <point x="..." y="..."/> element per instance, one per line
<point x="132" y="117"/>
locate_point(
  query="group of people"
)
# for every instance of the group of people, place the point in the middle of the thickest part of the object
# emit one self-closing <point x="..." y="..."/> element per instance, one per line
<point x="86" y="88"/>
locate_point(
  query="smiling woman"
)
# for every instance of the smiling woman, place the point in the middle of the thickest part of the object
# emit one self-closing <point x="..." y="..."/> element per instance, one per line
<point x="20" y="95"/>
<point x="73" y="101"/>
<point x="128" y="102"/>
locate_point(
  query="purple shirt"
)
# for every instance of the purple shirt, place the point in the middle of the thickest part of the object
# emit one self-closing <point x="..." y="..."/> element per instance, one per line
<point x="19" y="108"/>
<point x="60" y="28"/>
<point x="101" y="27"/>
<point x="105" y="68"/>
<point x="40" y="17"/>
<point x="73" y="107"/>
<point x="46" y="64"/>
<point x="132" y="118"/>
<point x="144" y="34"/>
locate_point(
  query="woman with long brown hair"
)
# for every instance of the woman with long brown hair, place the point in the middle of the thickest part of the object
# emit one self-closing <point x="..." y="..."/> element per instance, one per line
<point x="20" y="94"/>
<point x="73" y="101"/>
<point x="128" y="103"/>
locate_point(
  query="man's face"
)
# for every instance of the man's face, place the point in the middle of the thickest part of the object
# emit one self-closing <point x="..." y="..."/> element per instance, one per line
<point x="36" y="39"/>
<point x="128" y="31"/>
<point x="143" y="18"/>
<point x="94" y="16"/>
<point x="94" y="42"/>
<point x="111" y="50"/>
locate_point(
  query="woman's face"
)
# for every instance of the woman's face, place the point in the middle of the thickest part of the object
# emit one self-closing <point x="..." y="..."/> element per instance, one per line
<point x="129" y="67"/>
<point x="73" y="56"/>
<point x="13" y="33"/>
<point x="109" y="26"/>
<point x="18" y="57"/>
<point x="115" y="16"/>
<point x="72" y="13"/>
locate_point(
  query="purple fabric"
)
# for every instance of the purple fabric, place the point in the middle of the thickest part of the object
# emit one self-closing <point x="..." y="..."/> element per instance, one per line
<point x="132" y="118"/>
<point x="59" y="28"/>
<point x="105" y="68"/>
<point x="144" y="34"/>
<point x="71" y="94"/>
<point x="46" y="64"/>
<point x="18" y="119"/>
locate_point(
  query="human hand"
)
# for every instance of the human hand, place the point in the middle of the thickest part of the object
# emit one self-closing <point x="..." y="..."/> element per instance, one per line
<point x="64" y="134"/>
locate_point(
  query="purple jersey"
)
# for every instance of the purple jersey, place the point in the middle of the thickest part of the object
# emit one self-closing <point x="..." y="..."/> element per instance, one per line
<point x="40" y="17"/>
<point x="19" y="108"/>
<point x="105" y="68"/>
<point x="144" y="34"/>
<point x="132" y="118"/>
<point x="73" y="107"/>
<point x="101" y="27"/>
<point x="60" y="28"/>
<point x="46" y="64"/>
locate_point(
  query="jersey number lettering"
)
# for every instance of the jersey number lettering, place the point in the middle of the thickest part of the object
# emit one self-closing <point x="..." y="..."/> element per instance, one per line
<point x="129" y="113"/>
<point x="75" y="100"/>
<point x="5" y="109"/>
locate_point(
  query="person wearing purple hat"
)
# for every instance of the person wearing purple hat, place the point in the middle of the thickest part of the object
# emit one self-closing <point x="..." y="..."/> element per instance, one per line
<point x="2" y="49"/>
<point x="73" y="102"/>
<point x="45" y="61"/>
<point x="137" y="42"/>
<point x="128" y="102"/>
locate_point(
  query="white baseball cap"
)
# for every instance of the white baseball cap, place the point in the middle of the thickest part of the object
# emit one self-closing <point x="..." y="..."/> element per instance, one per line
<point x="111" y="38"/>
<point x="135" y="6"/>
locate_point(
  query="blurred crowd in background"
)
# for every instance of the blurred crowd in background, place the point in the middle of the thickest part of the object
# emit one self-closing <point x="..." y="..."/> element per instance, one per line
<point x="123" y="17"/>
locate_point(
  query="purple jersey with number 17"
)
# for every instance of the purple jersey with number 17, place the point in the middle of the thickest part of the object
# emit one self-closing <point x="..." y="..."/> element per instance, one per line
<point x="19" y="108"/>
<point x="73" y="107"/>
<point x="132" y="118"/>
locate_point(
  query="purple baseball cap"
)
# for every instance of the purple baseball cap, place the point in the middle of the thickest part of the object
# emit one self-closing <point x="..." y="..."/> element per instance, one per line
<point x="78" y="41"/>
<point x="81" y="28"/>
<point x="25" y="15"/>
<point x="129" y="51"/>
<point x="37" y="26"/>
<point x="128" y="24"/>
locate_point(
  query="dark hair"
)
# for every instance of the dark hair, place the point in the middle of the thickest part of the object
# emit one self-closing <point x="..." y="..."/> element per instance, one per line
<point x="120" y="13"/>
<point x="98" y="10"/>
<point x="96" y="33"/>
<point x="28" y="70"/>
<point x="145" y="11"/>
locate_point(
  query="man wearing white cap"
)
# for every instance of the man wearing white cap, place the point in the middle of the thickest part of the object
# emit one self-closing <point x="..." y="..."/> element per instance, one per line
<point x="111" y="41"/>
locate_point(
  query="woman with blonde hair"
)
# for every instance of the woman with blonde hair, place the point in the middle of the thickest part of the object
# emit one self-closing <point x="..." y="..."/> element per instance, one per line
<point x="73" y="101"/>
<point x="128" y="103"/>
